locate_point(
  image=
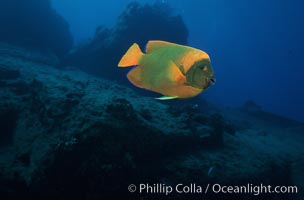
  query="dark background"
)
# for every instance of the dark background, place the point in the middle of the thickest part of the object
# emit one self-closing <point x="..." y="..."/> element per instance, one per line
<point x="256" y="46"/>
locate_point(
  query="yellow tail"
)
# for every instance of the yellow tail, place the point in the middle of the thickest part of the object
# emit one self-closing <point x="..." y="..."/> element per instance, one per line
<point x="131" y="57"/>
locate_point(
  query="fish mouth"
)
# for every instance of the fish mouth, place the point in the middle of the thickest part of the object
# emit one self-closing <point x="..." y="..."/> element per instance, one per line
<point x="212" y="81"/>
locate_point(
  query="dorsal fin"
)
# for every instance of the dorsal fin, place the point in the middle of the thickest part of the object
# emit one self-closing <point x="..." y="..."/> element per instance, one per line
<point x="156" y="44"/>
<point x="131" y="57"/>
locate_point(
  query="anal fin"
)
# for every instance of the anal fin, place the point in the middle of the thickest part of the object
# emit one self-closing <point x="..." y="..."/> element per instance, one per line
<point x="166" y="98"/>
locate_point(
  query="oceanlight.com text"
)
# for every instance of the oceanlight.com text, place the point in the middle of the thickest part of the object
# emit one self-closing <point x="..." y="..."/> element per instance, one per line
<point x="254" y="189"/>
<point x="193" y="188"/>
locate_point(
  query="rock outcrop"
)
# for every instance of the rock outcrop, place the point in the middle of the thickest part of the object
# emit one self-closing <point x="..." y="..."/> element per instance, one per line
<point x="69" y="135"/>
<point x="34" y="24"/>
<point x="138" y="23"/>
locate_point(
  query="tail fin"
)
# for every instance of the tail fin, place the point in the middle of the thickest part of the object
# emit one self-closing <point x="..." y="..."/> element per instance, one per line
<point x="131" y="57"/>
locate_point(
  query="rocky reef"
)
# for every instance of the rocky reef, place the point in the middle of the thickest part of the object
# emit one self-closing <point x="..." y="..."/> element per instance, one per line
<point x="69" y="135"/>
<point x="138" y="23"/>
<point x="34" y="24"/>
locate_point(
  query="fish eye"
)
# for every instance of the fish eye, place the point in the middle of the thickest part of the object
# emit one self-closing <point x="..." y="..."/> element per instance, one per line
<point x="203" y="67"/>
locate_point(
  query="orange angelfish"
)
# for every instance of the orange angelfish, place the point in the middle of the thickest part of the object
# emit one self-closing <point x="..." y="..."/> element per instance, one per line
<point x="175" y="71"/>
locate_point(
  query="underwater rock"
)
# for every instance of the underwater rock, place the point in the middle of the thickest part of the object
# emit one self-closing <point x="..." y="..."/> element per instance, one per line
<point x="8" y="123"/>
<point x="217" y="124"/>
<point x="34" y="54"/>
<point x="255" y="110"/>
<point x="8" y="73"/>
<point x="34" y="24"/>
<point x="251" y="107"/>
<point x="70" y="135"/>
<point x="219" y="127"/>
<point x="122" y="110"/>
<point x="138" y="23"/>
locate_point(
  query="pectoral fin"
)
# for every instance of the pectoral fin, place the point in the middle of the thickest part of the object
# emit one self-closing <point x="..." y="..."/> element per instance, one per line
<point x="174" y="74"/>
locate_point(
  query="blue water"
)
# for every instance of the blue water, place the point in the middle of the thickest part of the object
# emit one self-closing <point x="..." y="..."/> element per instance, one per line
<point x="256" y="46"/>
<point x="66" y="135"/>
